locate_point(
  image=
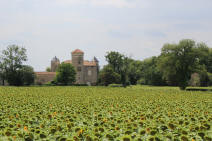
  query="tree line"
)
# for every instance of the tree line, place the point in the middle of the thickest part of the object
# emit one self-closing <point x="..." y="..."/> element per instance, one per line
<point x="175" y="66"/>
<point x="182" y="64"/>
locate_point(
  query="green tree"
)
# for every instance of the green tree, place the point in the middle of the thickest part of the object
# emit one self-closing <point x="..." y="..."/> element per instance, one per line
<point x="12" y="59"/>
<point x="204" y="78"/>
<point x="120" y="65"/>
<point x="2" y="73"/>
<point x="28" y="75"/>
<point x="108" y="76"/>
<point x="115" y="60"/>
<point x="210" y="79"/>
<point x="48" y="69"/>
<point x="65" y="74"/>
<point x="125" y="71"/>
<point x="209" y="67"/>
<point x="203" y="55"/>
<point x="150" y="73"/>
<point x="134" y="71"/>
<point x="179" y="60"/>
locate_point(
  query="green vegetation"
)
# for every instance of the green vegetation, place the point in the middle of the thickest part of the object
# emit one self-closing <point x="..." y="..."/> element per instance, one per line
<point x="12" y="69"/>
<point x="105" y="113"/>
<point x="108" y="76"/>
<point x="27" y="75"/>
<point x="184" y="64"/>
<point x="179" y="61"/>
<point x="48" y="69"/>
<point x="175" y="66"/>
<point x="66" y="74"/>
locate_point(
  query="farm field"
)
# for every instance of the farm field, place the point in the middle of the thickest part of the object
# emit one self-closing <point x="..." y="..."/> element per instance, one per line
<point x="100" y="113"/>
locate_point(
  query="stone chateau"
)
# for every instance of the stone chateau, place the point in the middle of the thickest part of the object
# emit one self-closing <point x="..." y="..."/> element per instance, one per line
<point x="87" y="71"/>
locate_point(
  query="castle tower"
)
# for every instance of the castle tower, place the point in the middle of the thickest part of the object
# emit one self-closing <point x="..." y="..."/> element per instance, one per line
<point x="97" y="64"/>
<point x="55" y="64"/>
<point x="78" y="62"/>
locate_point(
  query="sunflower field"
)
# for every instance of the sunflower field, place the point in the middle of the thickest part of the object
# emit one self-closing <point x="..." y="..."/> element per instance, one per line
<point x="104" y="114"/>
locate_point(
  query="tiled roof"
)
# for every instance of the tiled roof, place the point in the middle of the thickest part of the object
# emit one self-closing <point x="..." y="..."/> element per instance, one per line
<point x="89" y="63"/>
<point x="68" y="61"/>
<point x="77" y="51"/>
<point x="85" y="63"/>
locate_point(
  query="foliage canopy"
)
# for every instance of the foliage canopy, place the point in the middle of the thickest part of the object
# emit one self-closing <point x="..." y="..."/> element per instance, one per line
<point x="12" y="68"/>
<point x="66" y="74"/>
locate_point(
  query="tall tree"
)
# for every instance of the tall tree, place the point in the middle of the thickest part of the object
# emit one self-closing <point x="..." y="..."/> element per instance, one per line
<point x="66" y="74"/>
<point x="120" y="64"/>
<point x="116" y="60"/>
<point x="12" y="59"/>
<point x="135" y="72"/>
<point x="124" y="71"/>
<point x="179" y="60"/>
<point x="150" y="73"/>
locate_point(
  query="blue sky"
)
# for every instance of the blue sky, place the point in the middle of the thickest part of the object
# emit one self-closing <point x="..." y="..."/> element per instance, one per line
<point x="137" y="28"/>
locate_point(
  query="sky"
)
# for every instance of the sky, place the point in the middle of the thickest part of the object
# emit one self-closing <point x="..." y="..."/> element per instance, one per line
<point x="136" y="28"/>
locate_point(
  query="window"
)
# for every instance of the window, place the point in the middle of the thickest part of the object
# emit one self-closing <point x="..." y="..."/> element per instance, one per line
<point x="89" y="72"/>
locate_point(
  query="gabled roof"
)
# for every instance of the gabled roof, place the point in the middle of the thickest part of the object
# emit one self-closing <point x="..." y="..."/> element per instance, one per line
<point x="77" y="51"/>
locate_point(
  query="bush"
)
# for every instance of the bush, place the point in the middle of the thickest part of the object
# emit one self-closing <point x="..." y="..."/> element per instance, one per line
<point x="108" y="76"/>
<point x="141" y="81"/>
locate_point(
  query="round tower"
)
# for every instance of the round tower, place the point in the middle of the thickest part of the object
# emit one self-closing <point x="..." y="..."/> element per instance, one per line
<point x="78" y="62"/>
<point x="55" y="64"/>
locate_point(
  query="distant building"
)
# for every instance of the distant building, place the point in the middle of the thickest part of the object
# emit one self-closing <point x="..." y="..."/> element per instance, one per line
<point x="55" y="64"/>
<point x="44" y="77"/>
<point x="87" y="71"/>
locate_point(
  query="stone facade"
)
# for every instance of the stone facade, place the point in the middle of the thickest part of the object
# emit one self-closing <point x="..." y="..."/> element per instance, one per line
<point x="55" y="64"/>
<point x="44" y="77"/>
<point x="87" y="71"/>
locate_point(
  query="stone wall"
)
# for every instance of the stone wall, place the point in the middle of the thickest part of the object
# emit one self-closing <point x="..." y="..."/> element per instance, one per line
<point x="44" y="77"/>
<point x="90" y="75"/>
